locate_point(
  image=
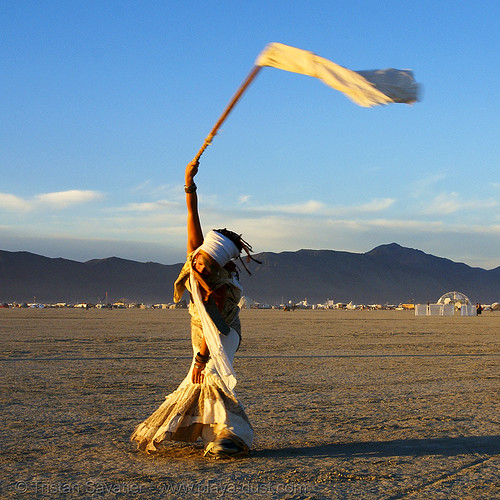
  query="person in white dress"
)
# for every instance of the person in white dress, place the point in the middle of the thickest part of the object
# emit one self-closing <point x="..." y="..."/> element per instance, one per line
<point x="205" y="405"/>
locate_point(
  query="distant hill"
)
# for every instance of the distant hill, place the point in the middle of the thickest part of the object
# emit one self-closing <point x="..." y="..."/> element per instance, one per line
<point x="24" y="275"/>
<point x="387" y="274"/>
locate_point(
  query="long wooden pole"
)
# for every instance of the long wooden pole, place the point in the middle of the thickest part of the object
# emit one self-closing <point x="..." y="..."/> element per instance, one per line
<point x="228" y="109"/>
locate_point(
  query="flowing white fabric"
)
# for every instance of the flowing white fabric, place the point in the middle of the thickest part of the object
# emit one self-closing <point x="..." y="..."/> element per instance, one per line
<point x="218" y="355"/>
<point x="219" y="247"/>
<point x="208" y="410"/>
<point x="365" y="88"/>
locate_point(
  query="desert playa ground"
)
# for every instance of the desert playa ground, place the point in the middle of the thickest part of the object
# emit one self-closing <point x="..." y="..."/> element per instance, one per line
<point x="345" y="404"/>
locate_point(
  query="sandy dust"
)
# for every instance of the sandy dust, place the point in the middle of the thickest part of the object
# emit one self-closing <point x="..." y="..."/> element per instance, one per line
<point x="345" y="404"/>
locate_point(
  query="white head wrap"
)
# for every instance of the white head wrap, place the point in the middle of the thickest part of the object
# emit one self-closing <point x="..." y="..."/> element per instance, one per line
<point x="219" y="247"/>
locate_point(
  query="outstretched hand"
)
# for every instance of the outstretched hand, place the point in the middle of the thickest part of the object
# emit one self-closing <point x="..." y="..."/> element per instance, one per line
<point x="191" y="171"/>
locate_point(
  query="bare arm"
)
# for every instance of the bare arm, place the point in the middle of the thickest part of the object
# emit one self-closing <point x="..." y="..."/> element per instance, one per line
<point x="195" y="233"/>
<point x="197" y="374"/>
<point x="194" y="240"/>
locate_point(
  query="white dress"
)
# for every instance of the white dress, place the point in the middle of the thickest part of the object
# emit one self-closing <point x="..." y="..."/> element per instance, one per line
<point x="209" y="410"/>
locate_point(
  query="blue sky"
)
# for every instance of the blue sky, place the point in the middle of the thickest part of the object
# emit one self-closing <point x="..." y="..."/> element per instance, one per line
<point x="104" y="102"/>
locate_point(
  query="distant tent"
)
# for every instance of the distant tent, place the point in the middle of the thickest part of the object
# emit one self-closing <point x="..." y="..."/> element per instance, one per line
<point x="447" y="309"/>
<point x="246" y="303"/>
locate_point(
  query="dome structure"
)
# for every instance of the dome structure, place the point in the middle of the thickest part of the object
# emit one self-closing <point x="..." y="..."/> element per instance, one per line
<point x="454" y="298"/>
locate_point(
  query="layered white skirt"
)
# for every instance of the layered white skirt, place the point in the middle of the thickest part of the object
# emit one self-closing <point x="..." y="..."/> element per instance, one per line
<point x="208" y="410"/>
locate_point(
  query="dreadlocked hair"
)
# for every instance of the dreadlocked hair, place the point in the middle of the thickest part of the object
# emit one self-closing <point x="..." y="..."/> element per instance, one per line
<point x="241" y="245"/>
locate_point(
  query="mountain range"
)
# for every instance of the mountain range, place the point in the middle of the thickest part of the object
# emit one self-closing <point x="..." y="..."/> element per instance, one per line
<point x="387" y="274"/>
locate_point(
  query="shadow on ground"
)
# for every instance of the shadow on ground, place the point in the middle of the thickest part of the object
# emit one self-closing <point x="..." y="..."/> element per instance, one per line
<point x="447" y="447"/>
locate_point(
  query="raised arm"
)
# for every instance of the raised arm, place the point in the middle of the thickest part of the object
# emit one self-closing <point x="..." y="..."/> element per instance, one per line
<point x="195" y="233"/>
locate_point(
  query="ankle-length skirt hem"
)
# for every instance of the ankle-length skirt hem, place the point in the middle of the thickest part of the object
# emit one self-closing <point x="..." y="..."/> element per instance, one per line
<point x="208" y="411"/>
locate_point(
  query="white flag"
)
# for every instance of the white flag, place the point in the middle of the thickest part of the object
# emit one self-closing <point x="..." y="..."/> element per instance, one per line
<point x="366" y="88"/>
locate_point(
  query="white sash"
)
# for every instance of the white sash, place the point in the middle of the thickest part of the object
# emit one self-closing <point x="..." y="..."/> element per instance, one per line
<point x="218" y="355"/>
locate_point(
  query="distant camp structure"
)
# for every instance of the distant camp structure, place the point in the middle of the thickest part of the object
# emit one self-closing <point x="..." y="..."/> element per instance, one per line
<point x="454" y="298"/>
<point x="247" y="303"/>
<point x="446" y="306"/>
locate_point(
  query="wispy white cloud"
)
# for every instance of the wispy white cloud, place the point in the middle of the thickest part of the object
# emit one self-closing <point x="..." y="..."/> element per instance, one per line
<point x="57" y="200"/>
<point x="150" y="188"/>
<point x="244" y="198"/>
<point x="424" y="184"/>
<point x="14" y="203"/>
<point x="444" y="203"/>
<point x="449" y="203"/>
<point x="376" y="205"/>
<point x="308" y="207"/>
<point x="63" y="199"/>
<point x="313" y="207"/>
<point x="143" y="186"/>
<point x="154" y="206"/>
